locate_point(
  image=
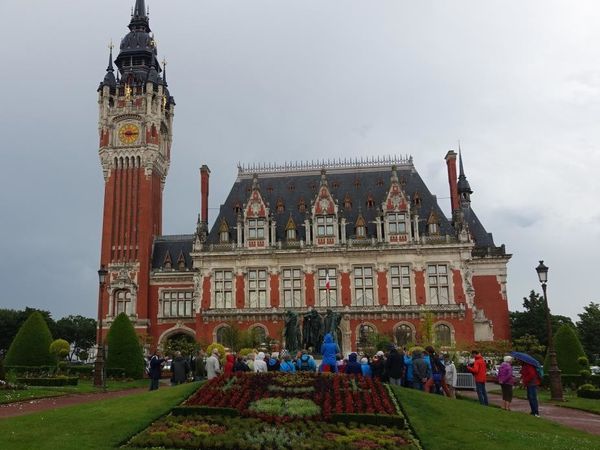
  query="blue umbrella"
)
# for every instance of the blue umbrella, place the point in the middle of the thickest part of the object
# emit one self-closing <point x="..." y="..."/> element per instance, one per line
<point x="526" y="358"/>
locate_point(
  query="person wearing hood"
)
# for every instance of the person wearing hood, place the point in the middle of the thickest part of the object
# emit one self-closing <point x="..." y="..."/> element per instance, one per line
<point x="329" y="350"/>
<point x="408" y="377"/>
<point x="378" y="366"/>
<point x="229" y="363"/>
<point x="421" y="370"/>
<point x="394" y="366"/>
<point x="287" y="365"/>
<point x="273" y="363"/>
<point x="365" y="367"/>
<point x="306" y="363"/>
<point x="259" y="363"/>
<point x="479" y="371"/>
<point x="180" y="368"/>
<point x="353" y="367"/>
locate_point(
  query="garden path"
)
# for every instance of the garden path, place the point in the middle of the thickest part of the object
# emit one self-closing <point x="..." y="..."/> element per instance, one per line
<point x="569" y="417"/>
<point x="43" y="404"/>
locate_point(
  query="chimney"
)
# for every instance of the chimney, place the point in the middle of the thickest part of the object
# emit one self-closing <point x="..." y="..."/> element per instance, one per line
<point x="204" y="174"/>
<point x="452" y="178"/>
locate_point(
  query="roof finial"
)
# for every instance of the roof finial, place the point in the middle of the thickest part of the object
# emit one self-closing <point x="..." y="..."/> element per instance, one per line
<point x="323" y="177"/>
<point x="164" y="62"/>
<point x="140" y="8"/>
<point x="110" y="67"/>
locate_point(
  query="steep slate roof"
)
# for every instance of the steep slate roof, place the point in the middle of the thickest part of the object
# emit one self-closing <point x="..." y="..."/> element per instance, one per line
<point x="174" y="245"/>
<point x="360" y="183"/>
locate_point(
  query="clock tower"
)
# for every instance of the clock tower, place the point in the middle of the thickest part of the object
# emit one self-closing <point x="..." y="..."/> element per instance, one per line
<point x="135" y="130"/>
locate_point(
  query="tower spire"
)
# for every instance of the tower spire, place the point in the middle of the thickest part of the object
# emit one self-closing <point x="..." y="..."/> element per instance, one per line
<point x="139" y="17"/>
<point x="164" y="77"/>
<point x="463" y="187"/>
<point x="109" y="78"/>
<point x="140" y="9"/>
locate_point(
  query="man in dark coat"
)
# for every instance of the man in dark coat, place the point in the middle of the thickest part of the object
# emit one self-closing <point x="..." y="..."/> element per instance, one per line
<point x="155" y="369"/>
<point x="180" y="368"/>
<point x="421" y="370"/>
<point x="394" y="366"/>
<point x="353" y="366"/>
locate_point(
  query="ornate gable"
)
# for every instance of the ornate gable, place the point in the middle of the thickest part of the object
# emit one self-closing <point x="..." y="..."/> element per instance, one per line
<point x="256" y="212"/>
<point x="256" y="207"/>
<point x="325" y="227"/>
<point x="396" y="199"/>
<point x="324" y="204"/>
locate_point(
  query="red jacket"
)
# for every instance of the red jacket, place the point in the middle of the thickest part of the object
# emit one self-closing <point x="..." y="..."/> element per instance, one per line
<point x="529" y="375"/>
<point x="229" y="363"/>
<point x="479" y="369"/>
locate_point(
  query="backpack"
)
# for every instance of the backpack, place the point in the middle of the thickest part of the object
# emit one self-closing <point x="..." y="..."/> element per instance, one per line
<point x="540" y="372"/>
<point x="304" y="365"/>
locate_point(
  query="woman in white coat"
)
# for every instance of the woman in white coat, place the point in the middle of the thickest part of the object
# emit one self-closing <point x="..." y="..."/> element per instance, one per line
<point x="259" y="363"/>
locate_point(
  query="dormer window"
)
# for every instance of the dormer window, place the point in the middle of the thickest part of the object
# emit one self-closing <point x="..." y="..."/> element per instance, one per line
<point x="325" y="226"/>
<point x="370" y="202"/>
<point x="224" y="232"/>
<point x="302" y="206"/>
<point x="433" y="226"/>
<point x="290" y="230"/>
<point x="397" y="223"/>
<point x="237" y="208"/>
<point x="335" y="184"/>
<point x="280" y="206"/>
<point x="347" y="202"/>
<point x="256" y="229"/>
<point x="361" y="227"/>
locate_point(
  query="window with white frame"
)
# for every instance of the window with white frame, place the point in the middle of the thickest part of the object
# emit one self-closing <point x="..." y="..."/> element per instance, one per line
<point x="256" y="229"/>
<point x="400" y="283"/>
<point x="123" y="302"/>
<point x="327" y="297"/>
<point x="397" y="223"/>
<point x="325" y="226"/>
<point x="439" y="291"/>
<point x="363" y="286"/>
<point x="291" y="234"/>
<point x="292" y="288"/>
<point x="176" y="304"/>
<point x="223" y="289"/>
<point x="257" y="288"/>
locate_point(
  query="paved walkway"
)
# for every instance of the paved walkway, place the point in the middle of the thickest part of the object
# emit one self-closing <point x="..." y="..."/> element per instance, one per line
<point x="569" y="417"/>
<point x="43" y="404"/>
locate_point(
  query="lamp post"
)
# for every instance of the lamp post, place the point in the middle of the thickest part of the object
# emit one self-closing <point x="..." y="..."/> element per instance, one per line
<point x="99" y="378"/>
<point x="556" y="392"/>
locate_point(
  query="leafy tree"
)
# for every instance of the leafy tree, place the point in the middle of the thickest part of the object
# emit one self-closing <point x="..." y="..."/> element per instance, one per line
<point x="589" y="331"/>
<point x="531" y="345"/>
<point x="124" y="349"/>
<point x="568" y="351"/>
<point x="532" y="320"/>
<point x="11" y="320"/>
<point x="31" y="345"/>
<point x="426" y="328"/>
<point x="79" y="331"/>
<point x="181" y="343"/>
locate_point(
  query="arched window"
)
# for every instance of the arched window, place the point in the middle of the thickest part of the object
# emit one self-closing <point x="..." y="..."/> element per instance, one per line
<point x="123" y="302"/>
<point x="259" y="335"/>
<point x="403" y="335"/>
<point x="443" y="335"/>
<point x="223" y="335"/>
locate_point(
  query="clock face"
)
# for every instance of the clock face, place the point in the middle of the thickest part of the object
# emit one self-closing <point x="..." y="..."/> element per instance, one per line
<point x="129" y="133"/>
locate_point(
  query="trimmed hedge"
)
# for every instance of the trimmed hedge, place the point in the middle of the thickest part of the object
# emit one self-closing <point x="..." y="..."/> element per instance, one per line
<point x="369" y="419"/>
<point x="58" y="381"/>
<point x="204" y="411"/>
<point x="31" y="345"/>
<point x="36" y="371"/>
<point x="124" y="349"/>
<point x="116" y="372"/>
<point x="568" y="351"/>
<point x="573" y="381"/>
<point x="588" y="391"/>
<point x="82" y="371"/>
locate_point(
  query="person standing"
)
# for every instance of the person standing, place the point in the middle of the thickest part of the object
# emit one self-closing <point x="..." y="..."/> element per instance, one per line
<point x="287" y="365"/>
<point x="394" y="366"/>
<point x="451" y="376"/>
<point x="180" y="369"/>
<point x="329" y="351"/>
<point x="259" y="363"/>
<point x="200" y="366"/>
<point x="531" y="381"/>
<point x="155" y="369"/>
<point x="229" y="363"/>
<point x="506" y="380"/>
<point x="479" y="370"/>
<point x="421" y="370"/>
<point x="213" y="366"/>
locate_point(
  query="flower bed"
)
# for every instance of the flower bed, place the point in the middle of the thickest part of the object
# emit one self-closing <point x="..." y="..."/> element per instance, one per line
<point x="217" y="432"/>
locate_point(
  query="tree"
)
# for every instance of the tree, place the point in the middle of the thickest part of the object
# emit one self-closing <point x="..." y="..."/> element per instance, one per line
<point x="31" y="345"/>
<point x="530" y="344"/>
<point x="568" y="351"/>
<point x="60" y="348"/>
<point x="11" y="320"/>
<point x="79" y="331"/>
<point x="124" y="349"/>
<point x="589" y="331"/>
<point x="532" y="321"/>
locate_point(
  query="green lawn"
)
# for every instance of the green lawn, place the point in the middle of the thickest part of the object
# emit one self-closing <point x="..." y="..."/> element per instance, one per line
<point x="571" y="400"/>
<point x="84" y="387"/>
<point x="443" y="423"/>
<point x="97" y="425"/>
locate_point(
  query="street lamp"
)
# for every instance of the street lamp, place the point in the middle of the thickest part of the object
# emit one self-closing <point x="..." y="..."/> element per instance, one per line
<point x="556" y="392"/>
<point x="99" y="377"/>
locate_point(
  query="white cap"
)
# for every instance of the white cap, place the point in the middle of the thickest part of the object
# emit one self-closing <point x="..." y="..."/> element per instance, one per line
<point x="379" y="353"/>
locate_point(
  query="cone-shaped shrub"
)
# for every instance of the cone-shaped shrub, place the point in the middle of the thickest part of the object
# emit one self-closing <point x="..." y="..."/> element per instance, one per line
<point x="31" y="345"/>
<point x="568" y="351"/>
<point x="124" y="349"/>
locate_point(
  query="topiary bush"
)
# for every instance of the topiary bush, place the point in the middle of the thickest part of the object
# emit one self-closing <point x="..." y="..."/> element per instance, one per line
<point x="568" y="351"/>
<point x="60" y="348"/>
<point x="31" y="345"/>
<point x="588" y="391"/>
<point x="124" y="349"/>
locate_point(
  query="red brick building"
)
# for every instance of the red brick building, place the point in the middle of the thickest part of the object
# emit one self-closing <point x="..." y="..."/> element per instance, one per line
<point x="365" y="238"/>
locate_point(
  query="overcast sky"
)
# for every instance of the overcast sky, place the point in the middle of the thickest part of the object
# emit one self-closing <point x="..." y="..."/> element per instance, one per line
<point x="518" y="82"/>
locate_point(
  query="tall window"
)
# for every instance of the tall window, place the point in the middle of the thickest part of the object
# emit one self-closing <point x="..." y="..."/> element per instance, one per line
<point x="443" y="335"/>
<point x="223" y="289"/>
<point x="257" y="288"/>
<point x="439" y="293"/>
<point x="397" y="223"/>
<point x="363" y="286"/>
<point x="325" y="226"/>
<point x="176" y="304"/>
<point x="400" y="282"/>
<point x="327" y="297"/>
<point x="123" y="302"/>
<point x="256" y="228"/>
<point x="292" y="288"/>
<point x="224" y="335"/>
<point x="403" y="334"/>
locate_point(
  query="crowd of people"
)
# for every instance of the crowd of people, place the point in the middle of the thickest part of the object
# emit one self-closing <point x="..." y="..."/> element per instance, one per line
<point x="421" y="369"/>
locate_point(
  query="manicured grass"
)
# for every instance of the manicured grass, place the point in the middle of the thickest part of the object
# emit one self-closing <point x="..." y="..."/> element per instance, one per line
<point x="571" y="400"/>
<point x="97" y="425"/>
<point x="443" y="423"/>
<point x="84" y="387"/>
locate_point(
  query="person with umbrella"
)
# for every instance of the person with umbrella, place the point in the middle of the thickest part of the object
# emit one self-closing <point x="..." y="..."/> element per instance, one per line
<point x="530" y="379"/>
